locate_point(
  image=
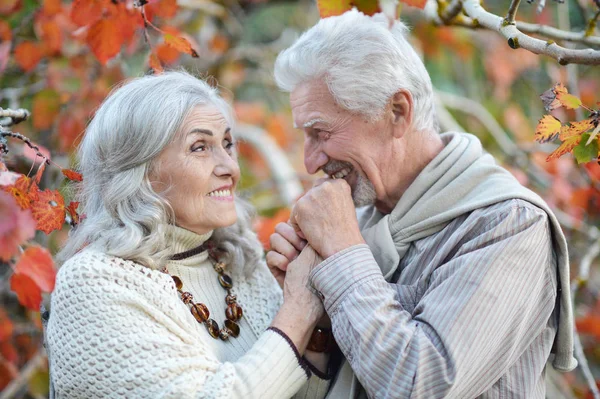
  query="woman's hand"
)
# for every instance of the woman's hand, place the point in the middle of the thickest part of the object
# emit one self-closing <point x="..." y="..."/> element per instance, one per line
<point x="286" y="245"/>
<point x="301" y="309"/>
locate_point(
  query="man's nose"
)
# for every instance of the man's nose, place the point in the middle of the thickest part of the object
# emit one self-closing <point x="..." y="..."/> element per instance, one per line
<point x="314" y="157"/>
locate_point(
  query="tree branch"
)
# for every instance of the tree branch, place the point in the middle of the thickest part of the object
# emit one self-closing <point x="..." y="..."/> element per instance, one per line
<point x="557" y="34"/>
<point x="517" y="39"/>
<point x="14" y="116"/>
<point x="512" y="12"/>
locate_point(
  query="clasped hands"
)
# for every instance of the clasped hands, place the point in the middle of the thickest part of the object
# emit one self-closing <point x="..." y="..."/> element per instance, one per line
<point x="322" y="223"/>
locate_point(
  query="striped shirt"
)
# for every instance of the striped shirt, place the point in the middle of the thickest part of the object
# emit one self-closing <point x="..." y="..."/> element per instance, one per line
<point x="470" y="312"/>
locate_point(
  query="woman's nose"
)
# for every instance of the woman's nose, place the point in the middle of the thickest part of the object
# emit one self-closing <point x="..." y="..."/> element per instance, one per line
<point x="227" y="165"/>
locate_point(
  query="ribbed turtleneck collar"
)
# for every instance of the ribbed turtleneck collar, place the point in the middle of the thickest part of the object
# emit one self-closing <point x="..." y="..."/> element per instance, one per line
<point x="181" y="240"/>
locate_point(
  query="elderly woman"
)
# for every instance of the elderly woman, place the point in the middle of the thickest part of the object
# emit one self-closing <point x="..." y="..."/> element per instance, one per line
<point x="163" y="292"/>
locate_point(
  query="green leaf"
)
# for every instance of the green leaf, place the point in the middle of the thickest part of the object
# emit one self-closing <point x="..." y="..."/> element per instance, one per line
<point x="586" y="153"/>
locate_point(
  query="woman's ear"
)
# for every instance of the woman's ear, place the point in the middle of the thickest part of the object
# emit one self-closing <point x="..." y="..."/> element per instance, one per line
<point x="402" y="111"/>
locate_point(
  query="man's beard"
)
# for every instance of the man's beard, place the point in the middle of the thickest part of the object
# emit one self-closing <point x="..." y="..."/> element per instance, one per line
<point x="363" y="193"/>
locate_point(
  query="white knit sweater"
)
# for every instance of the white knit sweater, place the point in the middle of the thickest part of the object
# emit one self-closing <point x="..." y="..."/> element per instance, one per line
<point x="119" y="329"/>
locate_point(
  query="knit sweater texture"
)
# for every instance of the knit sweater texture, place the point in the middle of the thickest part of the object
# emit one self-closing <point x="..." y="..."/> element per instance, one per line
<point x="119" y="329"/>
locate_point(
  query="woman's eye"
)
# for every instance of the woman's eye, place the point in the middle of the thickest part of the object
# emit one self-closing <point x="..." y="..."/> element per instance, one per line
<point x="199" y="147"/>
<point x="229" y="144"/>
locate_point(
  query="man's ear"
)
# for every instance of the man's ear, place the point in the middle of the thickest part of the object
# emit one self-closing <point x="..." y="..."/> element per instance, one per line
<point x="402" y="111"/>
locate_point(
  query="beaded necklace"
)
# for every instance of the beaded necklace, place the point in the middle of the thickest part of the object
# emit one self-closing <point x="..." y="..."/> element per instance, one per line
<point x="199" y="310"/>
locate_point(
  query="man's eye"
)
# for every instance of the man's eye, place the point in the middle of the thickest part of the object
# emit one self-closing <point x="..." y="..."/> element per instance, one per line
<point x="323" y="134"/>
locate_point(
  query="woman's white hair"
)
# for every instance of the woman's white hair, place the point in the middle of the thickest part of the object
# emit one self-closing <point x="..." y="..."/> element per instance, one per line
<point x="122" y="212"/>
<point x="363" y="61"/>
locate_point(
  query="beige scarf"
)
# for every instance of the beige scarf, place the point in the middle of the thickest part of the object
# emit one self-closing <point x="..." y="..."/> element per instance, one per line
<point x="460" y="179"/>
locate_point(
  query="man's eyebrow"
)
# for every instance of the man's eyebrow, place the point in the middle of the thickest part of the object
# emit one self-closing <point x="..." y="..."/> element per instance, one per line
<point x="310" y="123"/>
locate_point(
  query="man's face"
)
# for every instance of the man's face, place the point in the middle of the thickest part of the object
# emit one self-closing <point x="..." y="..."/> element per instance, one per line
<point x="342" y="144"/>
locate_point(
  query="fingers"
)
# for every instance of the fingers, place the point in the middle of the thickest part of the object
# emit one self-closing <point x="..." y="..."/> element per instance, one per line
<point x="287" y="231"/>
<point x="294" y="223"/>
<point x="275" y="260"/>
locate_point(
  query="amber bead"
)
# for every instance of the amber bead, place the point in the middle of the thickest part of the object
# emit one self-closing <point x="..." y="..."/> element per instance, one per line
<point x="230" y="298"/>
<point x="200" y="312"/>
<point x="225" y="281"/>
<point x="213" y="328"/>
<point x="233" y="327"/>
<point x="178" y="282"/>
<point x="224" y="334"/>
<point x="233" y="312"/>
<point x="219" y="267"/>
<point x="186" y="297"/>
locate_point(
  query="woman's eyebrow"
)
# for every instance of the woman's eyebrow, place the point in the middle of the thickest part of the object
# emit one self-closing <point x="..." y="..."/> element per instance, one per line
<point x="206" y="131"/>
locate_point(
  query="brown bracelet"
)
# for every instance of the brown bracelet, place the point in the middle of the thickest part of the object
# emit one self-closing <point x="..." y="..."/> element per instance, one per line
<point x="321" y="340"/>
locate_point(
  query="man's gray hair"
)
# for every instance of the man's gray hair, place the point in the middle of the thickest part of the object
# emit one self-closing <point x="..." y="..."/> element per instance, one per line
<point x="364" y="63"/>
<point x="122" y="212"/>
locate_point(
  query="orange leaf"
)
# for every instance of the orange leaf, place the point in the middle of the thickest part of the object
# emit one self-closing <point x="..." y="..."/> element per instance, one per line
<point x="154" y="63"/>
<point x="163" y="8"/>
<point x="576" y="128"/>
<point x="86" y="12"/>
<point x="72" y="210"/>
<point x="266" y="226"/>
<point x="17" y="226"/>
<point x="70" y="126"/>
<point x="5" y="32"/>
<point x="28" y="55"/>
<point x="6" y="326"/>
<point x="40" y="172"/>
<point x="8" y="7"/>
<point x="72" y="175"/>
<point x="415" y="3"/>
<point x="52" y="7"/>
<point x="367" y="7"/>
<point x="589" y="325"/>
<point x="167" y="54"/>
<point x="565" y="99"/>
<point x="51" y="36"/>
<point x="28" y="293"/>
<point x="105" y="39"/>
<point x="565" y="147"/>
<point x="329" y="8"/>
<point x="180" y="44"/>
<point x="36" y="263"/>
<point x="547" y="129"/>
<point x="24" y="191"/>
<point x="46" y="106"/>
<point x="49" y="211"/>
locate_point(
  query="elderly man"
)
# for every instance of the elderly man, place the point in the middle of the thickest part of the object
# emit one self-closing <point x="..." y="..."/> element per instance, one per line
<point x="452" y="279"/>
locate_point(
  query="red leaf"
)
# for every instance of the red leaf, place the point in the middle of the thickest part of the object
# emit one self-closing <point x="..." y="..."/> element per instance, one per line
<point x="17" y="227"/>
<point x="86" y="12"/>
<point x="8" y="7"/>
<point x="167" y="54"/>
<point x="46" y="106"/>
<point x="415" y="3"/>
<point x="8" y="371"/>
<point x="24" y="191"/>
<point x="180" y="44"/>
<point x="51" y="35"/>
<point x="105" y="39"/>
<point x="28" y="55"/>
<point x="5" y="31"/>
<point x="155" y="64"/>
<point x="72" y="175"/>
<point x="6" y="326"/>
<point x="28" y="293"/>
<point x="52" y="7"/>
<point x="163" y="8"/>
<point x="72" y="210"/>
<point x="37" y="264"/>
<point x="49" y="211"/>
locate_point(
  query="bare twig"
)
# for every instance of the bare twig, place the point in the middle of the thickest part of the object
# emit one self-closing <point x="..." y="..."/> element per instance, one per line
<point x="517" y="39"/>
<point x="25" y="375"/>
<point x="8" y="133"/>
<point x="557" y="34"/>
<point x="13" y="116"/>
<point x="512" y="12"/>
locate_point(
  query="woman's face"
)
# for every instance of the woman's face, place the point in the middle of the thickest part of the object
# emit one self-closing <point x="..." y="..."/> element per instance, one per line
<point x="198" y="172"/>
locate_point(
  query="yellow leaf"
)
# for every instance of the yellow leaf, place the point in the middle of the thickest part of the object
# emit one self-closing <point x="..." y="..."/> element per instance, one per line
<point x="547" y="129"/>
<point x="565" y="147"/>
<point x="329" y="8"/>
<point x="180" y="44"/>
<point x="576" y="128"/>
<point x="567" y="100"/>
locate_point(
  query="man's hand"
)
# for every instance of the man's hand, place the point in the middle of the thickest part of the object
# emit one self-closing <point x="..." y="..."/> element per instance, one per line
<point x="326" y="216"/>
<point x="286" y="245"/>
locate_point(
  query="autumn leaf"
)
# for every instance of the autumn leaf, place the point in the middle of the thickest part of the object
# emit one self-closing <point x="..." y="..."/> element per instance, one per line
<point x="24" y="191"/>
<point x="28" y="293"/>
<point x="52" y="7"/>
<point x="72" y="211"/>
<point x="46" y="106"/>
<point x="105" y="40"/>
<point x="28" y="55"/>
<point x="167" y="54"/>
<point x="49" y="211"/>
<point x="72" y="175"/>
<point x="367" y="7"/>
<point x="6" y="325"/>
<point x="40" y="172"/>
<point x="565" y="147"/>
<point x="415" y="3"/>
<point x="162" y="8"/>
<point x="8" y="7"/>
<point x="547" y="129"/>
<point x="86" y="12"/>
<point x="266" y="226"/>
<point x="576" y="128"/>
<point x="589" y="325"/>
<point x="565" y="99"/>
<point x="17" y="226"/>
<point x="51" y="35"/>
<point x="36" y="263"/>
<point x="329" y="8"/>
<point x="5" y="32"/>
<point x="154" y="63"/>
<point x="586" y="152"/>
<point x="549" y="99"/>
<point x="180" y="44"/>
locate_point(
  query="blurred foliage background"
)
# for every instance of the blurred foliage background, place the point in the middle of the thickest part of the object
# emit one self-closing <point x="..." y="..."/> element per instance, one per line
<point x="484" y="87"/>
